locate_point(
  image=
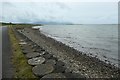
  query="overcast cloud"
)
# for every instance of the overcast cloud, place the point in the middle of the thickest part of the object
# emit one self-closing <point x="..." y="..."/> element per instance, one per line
<point x="60" y="12"/>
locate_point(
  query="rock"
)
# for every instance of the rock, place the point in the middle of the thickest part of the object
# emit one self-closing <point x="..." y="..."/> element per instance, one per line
<point x="104" y="56"/>
<point x="42" y="69"/>
<point x="68" y="71"/>
<point x="71" y="61"/>
<point x="25" y="47"/>
<point x="36" y="61"/>
<point x="38" y="50"/>
<point x="51" y="61"/>
<point x="22" y="43"/>
<point x="54" y="58"/>
<point x="47" y="56"/>
<point x="73" y="75"/>
<point x="53" y="75"/>
<point x="42" y="53"/>
<point x="30" y="44"/>
<point x="59" y="69"/>
<point x="32" y="55"/>
<point x="21" y="40"/>
<point x="25" y="51"/>
<point x="42" y="50"/>
<point x="60" y="63"/>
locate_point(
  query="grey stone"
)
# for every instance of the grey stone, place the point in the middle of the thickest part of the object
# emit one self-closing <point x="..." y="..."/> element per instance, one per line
<point x="73" y="75"/>
<point x="59" y="69"/>
<point x="32" y="55"/>
<point x="51" y="61"/>
<point x="68" y="71"/>
<point x="25" y="47"/>
<point x="27" y="50"/>
<point x="47" y="56"/>
<point x="60" y="63"/>
<point x="42" y="53"/>
<point x="22" y="43"/>
<point x="42" y="69"/>
<point x="36" y="61"/>
<point x="53" y="75"/>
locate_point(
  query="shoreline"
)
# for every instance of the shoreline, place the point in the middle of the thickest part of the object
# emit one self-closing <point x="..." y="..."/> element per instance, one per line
<point x="78" y="62"/>
<point x="83" y="53"/>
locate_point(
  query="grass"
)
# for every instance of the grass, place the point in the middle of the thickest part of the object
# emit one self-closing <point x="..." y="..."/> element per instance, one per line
<point x="22" y="69"/>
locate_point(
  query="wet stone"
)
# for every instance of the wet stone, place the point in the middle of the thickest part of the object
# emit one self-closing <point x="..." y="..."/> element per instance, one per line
<point x="51" y="61"/>
<point x="42" y="69"/>
<point x="36" y="61"/>
<point x="53" y="75"/>
<point x="32" y="55"/>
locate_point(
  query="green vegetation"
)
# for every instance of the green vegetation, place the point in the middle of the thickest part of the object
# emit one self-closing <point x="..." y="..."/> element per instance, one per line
<point x="20" y="24"/>
<point x="2" y="23"/>
<point x="22" y="69"/>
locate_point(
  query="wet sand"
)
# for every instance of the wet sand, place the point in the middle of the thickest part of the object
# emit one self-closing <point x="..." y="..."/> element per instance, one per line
<point x="74" y="60"/>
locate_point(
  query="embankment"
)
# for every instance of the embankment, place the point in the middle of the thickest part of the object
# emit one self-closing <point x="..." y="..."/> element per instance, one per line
<point x="74" y="60"/>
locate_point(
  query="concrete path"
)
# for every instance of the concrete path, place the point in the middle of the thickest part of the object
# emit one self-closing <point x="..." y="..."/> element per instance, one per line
<point x="7" y="67"/>
<point x="0" y="52"/>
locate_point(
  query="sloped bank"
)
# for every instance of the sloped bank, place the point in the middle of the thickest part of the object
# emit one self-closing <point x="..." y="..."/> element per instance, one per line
<point x="22" y="69"/>
<point x="44" y="64"/>
<point x="74" y="60"/>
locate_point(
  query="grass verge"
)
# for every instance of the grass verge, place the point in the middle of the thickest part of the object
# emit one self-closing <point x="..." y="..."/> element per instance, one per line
<point x="22" y="69"/>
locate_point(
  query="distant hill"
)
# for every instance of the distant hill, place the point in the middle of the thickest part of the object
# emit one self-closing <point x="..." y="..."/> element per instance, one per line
<point x="51" y="22"/>
<point x="38" y="23"/>
<point x="5" y="23"/>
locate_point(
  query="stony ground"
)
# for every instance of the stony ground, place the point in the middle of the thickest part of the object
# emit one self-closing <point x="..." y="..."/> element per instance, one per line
<point x="65" y="61"/>
<point x="45" y="65"/>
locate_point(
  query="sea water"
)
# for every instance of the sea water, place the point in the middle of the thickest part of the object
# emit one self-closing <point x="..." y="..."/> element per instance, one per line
<point x="100" y="41"/>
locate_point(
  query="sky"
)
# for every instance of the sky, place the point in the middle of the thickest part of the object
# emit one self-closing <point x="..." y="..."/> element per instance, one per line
<point x="77" y="12"/>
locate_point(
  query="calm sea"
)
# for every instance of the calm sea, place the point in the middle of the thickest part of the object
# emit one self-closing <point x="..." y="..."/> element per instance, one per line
<point x="99" y="41"/>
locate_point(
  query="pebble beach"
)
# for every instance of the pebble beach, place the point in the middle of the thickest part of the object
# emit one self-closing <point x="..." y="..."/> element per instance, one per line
<point x="63" y="61"/>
